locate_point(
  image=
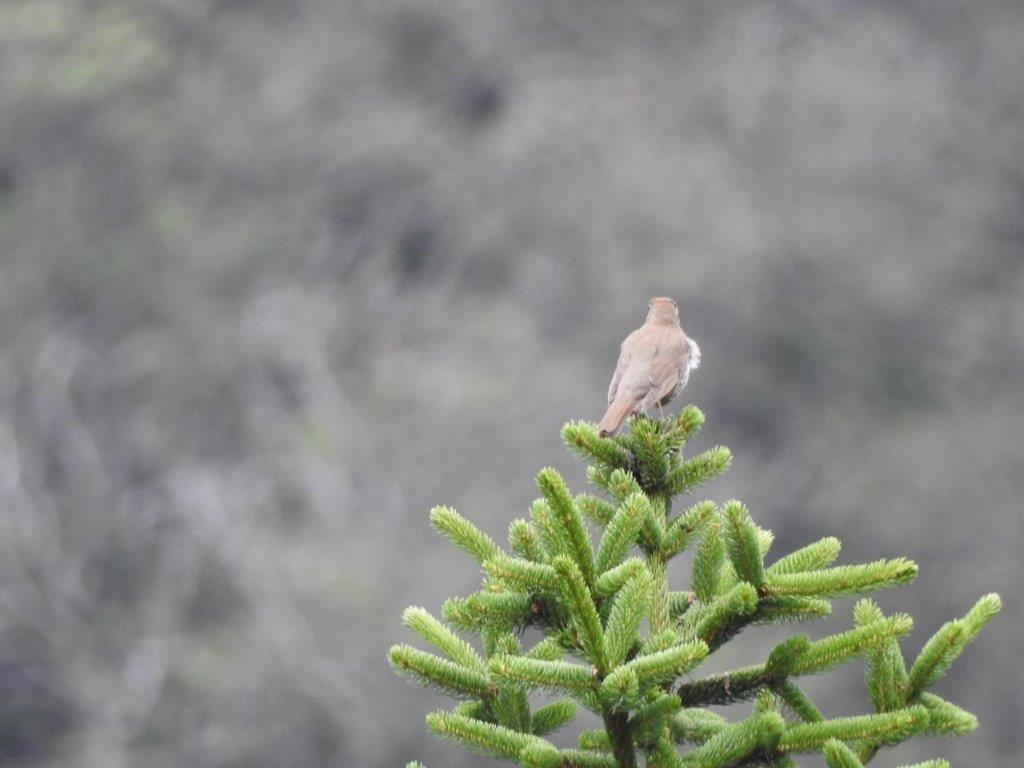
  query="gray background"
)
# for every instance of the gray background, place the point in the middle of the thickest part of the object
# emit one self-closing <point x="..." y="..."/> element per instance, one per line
<point x="278" y="276"/>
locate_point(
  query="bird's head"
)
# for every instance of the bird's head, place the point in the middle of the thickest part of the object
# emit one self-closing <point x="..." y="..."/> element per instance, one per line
<point x="663" y="310"/>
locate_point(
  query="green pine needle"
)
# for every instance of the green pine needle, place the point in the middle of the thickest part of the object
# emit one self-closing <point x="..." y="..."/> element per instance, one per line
<point x="524" y="540"/>
<point x="668" y="664"/>
<point x="621" y="689"/>
<point x="581" y="438"/>
<point x="948" y="643"/>
<point x="797" y="701"/>
<point x="595" y="740"/>
<point x="742" y="543"/>
<point x="552" y="716"/>
<point x="567" y="521"/>
<point x="621" y="531"/>
<point x="723" y="617"/>
<point x="611" y="581"/>
<point x="621" y="485"/>
<point x="596" y="510"/>
<point x="555" y="675"/>
<point x="582" y="610"/>
<point x="774" y="609"/>
<point x="707" y="563"/>
<point x="500" y="609"/>
<point x="810" y="558"/>
<point x="843" y="579"/>
<point x="838" y="755"/>
<point x="628" y="611"/>
<point x="682" y="529"/>
<point x="886" y="728"/>
<point x="695" y="726"/>
<point x="701" y="468"/>
<point x="653" y="714"/>
<point x="463" y="533"/>
<point x="522" y="573"/>
<point x="433" y="671"/>
<point x="734" y="743"/>
<point x="486" y="737"/>
<point x="832" y="651"/>
<point x="945" y="718"/>
<point x="437" y="634"/>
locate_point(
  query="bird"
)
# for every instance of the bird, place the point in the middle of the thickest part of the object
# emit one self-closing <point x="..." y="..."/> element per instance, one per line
<point x="654" y="363"/>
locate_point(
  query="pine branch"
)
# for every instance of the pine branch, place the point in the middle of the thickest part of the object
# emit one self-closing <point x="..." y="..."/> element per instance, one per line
<point x="843" y="580"/>
<point x="682" y="529"/>
<point x="707" y="563"/>
<point x="582" y="611"/>
<point x="620" y="690"/>
<point x="732" y="744"/>
<point x="552" y="716"/>
<point x="810" y="558"/>
<point x="568" y="521"/>
<point x="701" y="468"/>
<point x="595" y="740"/>
<point x="772" y="609"/>
<point x="611" y="581"/>
<point x="433" y="671"/>
<point x="523" y="574"/>
<point x="628" y="611"/>
<point x="887" y="728"/>
<point x="502" y="609"/>
<point x="742" y="543"/>
<point x="797" y="701"/>
<point x="948" y="643"/>
<point x="486" y="737"/>
<point x="838" y="755"/>
<point x="463" y="533"/>
<point x="658" y="614"/>
<point x="886" y="674"/>
<point x="945" y="718"/>
<point x="652" y="460"/>
<point x="622" y="530"/>
<point x="437" y="634"/>
<point x="596" y="510"/>
<point x="667" y="664"/>
<point x="695" y="725"/>
<point x="547" y="649"/>
<point x="832" y="651"/>
<point x="737" y="685"/>
<point x="663" y="754"/>
<point x="651" y="716"/>
<point x="524" y="540"/>
<point x="621" y="485"/>
<point x="689" y="420"/>
<point x="679" y="603"/>
<point x="555" y="675"/>
<point x="581" y="438"/>
<point x="723" y="617"/>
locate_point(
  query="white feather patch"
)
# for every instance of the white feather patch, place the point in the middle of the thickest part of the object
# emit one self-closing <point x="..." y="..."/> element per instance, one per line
<point x="694" y="362"/>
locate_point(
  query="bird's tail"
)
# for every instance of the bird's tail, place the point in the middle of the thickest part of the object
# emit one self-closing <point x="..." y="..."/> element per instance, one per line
<point x="613" y="418"/>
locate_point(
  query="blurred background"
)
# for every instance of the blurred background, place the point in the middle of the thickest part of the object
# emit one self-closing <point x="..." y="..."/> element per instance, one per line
<point x="277" y="276"/>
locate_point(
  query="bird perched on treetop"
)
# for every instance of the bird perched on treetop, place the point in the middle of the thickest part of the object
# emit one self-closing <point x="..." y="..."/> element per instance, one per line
<point x="655" y="361"/>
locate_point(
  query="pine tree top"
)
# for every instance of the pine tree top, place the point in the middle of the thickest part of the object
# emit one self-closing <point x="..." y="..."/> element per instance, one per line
<point x="620" y="642"/>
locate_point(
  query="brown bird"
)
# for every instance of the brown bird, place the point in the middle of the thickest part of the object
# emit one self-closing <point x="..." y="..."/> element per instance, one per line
<point x="655" y="361"/>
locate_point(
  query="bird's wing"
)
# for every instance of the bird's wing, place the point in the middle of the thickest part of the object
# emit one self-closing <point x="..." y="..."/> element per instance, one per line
<point x="665" y="372"/>
<point x="670" y="369"/>
<point x="625" y="353"/>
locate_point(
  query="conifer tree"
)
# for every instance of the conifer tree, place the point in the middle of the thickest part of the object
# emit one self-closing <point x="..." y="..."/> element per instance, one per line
<point x="619" y="641"/>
